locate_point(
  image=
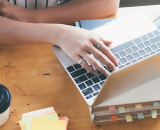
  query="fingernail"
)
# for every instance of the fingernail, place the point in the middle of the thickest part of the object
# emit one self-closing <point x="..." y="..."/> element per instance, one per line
<point x="106" y="73"/>
<point x="116" y="61"/>
<point x="115" y="68"/>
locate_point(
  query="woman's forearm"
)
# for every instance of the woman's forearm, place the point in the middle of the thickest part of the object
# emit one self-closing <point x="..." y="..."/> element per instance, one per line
<point x="14" y="32"/>
<point x="76" y="10"/>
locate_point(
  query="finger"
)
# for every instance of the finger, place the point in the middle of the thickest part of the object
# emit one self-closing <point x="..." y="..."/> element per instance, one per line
<point x="106" y="51"/>
<point x="95" y="63"/>
<point x="85" y="65"/>
<point x="99" y="55"/>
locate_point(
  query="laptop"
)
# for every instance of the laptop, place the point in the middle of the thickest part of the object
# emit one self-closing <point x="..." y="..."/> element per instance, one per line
<point x="136" y="45"/>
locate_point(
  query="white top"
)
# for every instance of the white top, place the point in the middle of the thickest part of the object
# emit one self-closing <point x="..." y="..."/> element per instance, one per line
<point x="35" y="4"/>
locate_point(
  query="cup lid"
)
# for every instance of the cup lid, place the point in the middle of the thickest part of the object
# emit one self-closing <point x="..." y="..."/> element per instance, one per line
<point x="5" y="98"/>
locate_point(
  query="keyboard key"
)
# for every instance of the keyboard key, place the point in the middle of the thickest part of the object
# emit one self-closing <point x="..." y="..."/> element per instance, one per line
<point x="152" y="53"/>
<point x="77" y="66"/>
<point x="98" y="72"/>
<point x="134" y="48"/>
<point x="135" y="55"/>
<point x="102" y="77"/>
<point x="147" y="43"/>
<point x="80" y="79"/>
<point x="141" y="46"/>
<point x="123" y="60"/>
<point x="158" y="50"/>
<point x="121" y="66"/>
<point x="95" y="80"/>
<point x="156" y="32"/>
<point x="88" y="97"/>
<point x="141" y="52"/>
<point x="154" y="47"/>
<point x="140" y="58"/>
<point x="82" y="86"/>
<point x="117" y="56"/>
<point x="70" y="69"/>
<point x="119" y="63"/>
<point x="133" y="61"/>
<point x="155" y="39"/>
<point x="128" y="51"/>
<point x="150" y="35"/>
<point x="137" y="40"/>
<point x="158" y="44"/>
<point x="127" y="63"/>
<point x="122" y="53"/>
<point x="96" y="87"/>
<point x="89" y="83"/>
<point x="78" y="72"/>
<point x="144" y="38"/>
<point x="146" y="55"/>
<point x="94" y="94"/>
<point x="129" y="58"/>
<point x="87" y="91"/>
<point x="147" y="50"/>
<point x="90" y="75"/>
<point x="101" y="83"/>
<point x="122" y="47"/>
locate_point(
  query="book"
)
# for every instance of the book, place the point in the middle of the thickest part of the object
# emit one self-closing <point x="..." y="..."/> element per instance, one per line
<point x="91" y="24"/>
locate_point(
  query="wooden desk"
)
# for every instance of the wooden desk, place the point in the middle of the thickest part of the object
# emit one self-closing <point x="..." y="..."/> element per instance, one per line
<point x="37" y="80"/>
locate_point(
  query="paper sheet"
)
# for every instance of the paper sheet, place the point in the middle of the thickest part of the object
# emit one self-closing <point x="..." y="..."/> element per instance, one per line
<point x="156" y="104"/>
<point x="37" y="112"/>
<point x="154" y="113"/>
<point x="112" y="108"/>
<point x="47" y="124"/>
<point x="121" y="109"/>
<point x="128" y="118"/>
<point x="20" y="123"/>
<point x="138" y="106"/>
<point x="28" y="124"/>
<point x="66" y="119"/>
<point x="140" y="115"/>
<point x="114" y="117"/>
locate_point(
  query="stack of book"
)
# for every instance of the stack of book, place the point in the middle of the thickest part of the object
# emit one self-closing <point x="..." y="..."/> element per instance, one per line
<point x="43" y="119"/>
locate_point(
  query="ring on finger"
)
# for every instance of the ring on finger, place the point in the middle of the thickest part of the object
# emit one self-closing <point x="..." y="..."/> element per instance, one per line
<point x="81" y="60"/>
<point x="100" y="44"/>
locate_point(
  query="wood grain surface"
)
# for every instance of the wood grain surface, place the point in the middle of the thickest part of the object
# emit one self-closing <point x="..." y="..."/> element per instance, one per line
<point x="37" y="80"/>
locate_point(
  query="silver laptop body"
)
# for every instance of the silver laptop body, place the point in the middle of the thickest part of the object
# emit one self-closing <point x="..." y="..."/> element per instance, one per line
<point x="136" y="44"/>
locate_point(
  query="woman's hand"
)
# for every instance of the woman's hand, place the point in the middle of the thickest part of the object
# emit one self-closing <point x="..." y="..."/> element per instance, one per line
<point x="78" y="43"/>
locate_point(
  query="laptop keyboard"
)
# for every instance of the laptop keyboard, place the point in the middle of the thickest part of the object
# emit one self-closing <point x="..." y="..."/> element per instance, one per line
<point x="127" y="53"/>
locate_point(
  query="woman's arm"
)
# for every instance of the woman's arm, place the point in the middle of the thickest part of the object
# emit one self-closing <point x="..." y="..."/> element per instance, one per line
<point x="65" y="13"/>
<point x="75" y="42"/>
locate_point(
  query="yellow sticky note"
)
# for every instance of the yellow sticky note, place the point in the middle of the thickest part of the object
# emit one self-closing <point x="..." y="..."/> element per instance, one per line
<point x="53" y="116"/>
<point x="128" y="118"/>
<point x="28" y="125"/>
<point x="20" y="123"/>
<point x="47" y="124"/>
<point x="138" y="106"/>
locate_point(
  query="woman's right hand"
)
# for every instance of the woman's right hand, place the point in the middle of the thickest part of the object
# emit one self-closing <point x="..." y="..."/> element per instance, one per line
<point x="78" y="43"/>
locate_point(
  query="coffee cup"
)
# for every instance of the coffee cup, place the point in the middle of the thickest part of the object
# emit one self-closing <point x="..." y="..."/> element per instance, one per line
<point x="5" y="102"/>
